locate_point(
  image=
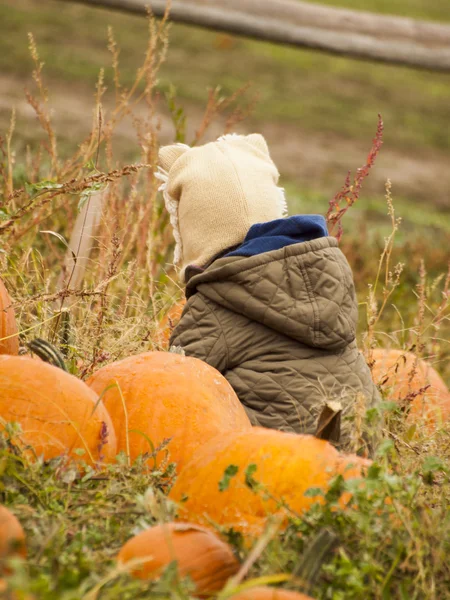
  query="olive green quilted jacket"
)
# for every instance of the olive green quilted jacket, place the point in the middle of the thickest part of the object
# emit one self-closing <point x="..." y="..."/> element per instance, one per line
<point x="280" y="326"/>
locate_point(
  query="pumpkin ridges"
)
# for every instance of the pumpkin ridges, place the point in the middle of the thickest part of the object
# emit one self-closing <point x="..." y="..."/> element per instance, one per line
<point x="54" y="409"/>
<point x="8" y="326"/>
<point x="168" y="396"/>
<point x="287" y="465"/>
<point x="200" y="554"/>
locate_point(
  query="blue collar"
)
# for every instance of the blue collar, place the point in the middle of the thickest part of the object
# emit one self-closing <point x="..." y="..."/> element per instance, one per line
<point x="264" y="237"/>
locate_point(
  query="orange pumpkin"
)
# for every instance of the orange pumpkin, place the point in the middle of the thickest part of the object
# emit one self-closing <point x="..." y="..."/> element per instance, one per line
<point x="12" y="536"/>
<point x="57" y="412"/>
<point x="8" y="327"/>
<point x="169" y="321"/>
<point x="402" y="373"/>
<point x="160" y="395"/>
<point x="199" y="553"/>
<point x="269" y="593"/>
<point x="286" y="465"/>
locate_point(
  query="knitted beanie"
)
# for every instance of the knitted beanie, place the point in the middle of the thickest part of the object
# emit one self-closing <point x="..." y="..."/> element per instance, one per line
<point x="216" y="192"/>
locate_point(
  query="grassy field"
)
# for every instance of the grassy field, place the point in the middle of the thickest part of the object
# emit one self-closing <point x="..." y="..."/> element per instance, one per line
<point x="309" y="104"/>
<point x="392" y="541"/>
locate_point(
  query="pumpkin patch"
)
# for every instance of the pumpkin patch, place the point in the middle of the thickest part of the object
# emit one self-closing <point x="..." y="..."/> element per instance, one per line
<point x="159" y="395"/>
<point x="144" y="221"/>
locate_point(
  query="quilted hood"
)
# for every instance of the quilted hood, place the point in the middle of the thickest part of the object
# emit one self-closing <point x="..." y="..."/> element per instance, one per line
<point x="304" y="291"/>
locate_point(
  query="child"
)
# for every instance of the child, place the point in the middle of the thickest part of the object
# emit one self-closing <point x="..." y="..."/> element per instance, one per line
<point x="270" y="299"/>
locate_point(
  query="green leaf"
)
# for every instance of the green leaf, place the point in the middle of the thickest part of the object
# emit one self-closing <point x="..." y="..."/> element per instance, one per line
<point x="433" y="463"/>
<point x="385" y="448"/>
<point x="250" y="481"/>
<point x="33" y="189"/>
<point x="95" y="188"/>
<point x="313" y="492"/>
<point x="373" y="471"/>
<point x="229" y="472"/>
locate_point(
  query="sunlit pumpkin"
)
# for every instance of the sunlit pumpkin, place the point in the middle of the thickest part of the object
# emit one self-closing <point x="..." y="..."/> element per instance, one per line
<point x="402" y="374"/>
<point x="285" y="464"/>
<point x="169" y="321"/>
<point x="57" y="412"/>
<point x="8" y="327"/>
<point x="12" y="536"/>
<point x="269" y="593"/>
<point x="199" y="553"/>
<point x="159" y="395"/>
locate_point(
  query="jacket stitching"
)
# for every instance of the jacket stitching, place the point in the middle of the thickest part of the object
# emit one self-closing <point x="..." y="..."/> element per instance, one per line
<point x="223" y="336"/>
<point x="329" y="246"/>
<point x="312" y="299"/>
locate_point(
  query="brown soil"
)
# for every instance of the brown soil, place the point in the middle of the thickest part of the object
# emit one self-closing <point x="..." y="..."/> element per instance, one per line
<point x="316" y="162"/>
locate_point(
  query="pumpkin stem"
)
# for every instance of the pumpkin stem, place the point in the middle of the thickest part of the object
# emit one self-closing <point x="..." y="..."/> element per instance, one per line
<point x="329" y="422"/>
<point x="47" y="352"/>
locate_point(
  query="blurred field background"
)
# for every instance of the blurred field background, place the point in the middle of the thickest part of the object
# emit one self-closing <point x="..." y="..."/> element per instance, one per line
<point x="318" y="112"/>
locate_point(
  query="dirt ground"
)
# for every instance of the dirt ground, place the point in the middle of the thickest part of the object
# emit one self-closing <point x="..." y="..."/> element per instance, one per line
<point x="315" y="162"/>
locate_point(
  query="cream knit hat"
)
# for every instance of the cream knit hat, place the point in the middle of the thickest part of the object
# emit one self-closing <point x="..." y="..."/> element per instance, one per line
<point x="216" y="192"/>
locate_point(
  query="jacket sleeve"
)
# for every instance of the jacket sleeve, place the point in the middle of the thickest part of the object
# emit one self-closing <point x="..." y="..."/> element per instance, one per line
<point x="200" y="334"/>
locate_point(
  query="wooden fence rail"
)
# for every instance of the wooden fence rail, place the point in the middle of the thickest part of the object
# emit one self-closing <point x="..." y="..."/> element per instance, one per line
<point x="357" y="34"/>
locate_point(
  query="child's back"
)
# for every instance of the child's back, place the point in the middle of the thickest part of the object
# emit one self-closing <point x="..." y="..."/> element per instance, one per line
<point x="276" y="315"/>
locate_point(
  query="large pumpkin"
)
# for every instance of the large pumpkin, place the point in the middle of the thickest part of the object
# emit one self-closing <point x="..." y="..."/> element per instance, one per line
<point x="402" y="374"/>
<point x="268" y="593"/>
<point x="159" y="395"/>
<point x="12" y="536"/>
<point x="57" y="412"/>
<point x="8" y="327"/>
<point x="199" y="553"/>
<point x="287" y="465"/>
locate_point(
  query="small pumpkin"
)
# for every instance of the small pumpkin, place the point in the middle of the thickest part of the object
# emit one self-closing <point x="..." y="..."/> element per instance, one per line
<point x="12" y="536"/>
<point x="269" y="593"/>
<point x="403" y="373"/>
<point x="160" y="395"/>
<point x="57" y="412"/>
<point x="169" y="321"/>
<point x="8" y="326"/>
<point x="286" y="465"/>
<point x="199" y="553"/>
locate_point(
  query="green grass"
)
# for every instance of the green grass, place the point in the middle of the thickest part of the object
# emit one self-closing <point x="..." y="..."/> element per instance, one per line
<point x="390" y="542"/>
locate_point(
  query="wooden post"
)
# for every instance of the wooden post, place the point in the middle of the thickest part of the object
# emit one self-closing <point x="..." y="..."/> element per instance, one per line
<point x="357" y="34"/>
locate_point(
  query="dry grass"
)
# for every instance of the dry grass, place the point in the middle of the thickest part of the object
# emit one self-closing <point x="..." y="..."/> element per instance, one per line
<point x="127" y="282"/>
